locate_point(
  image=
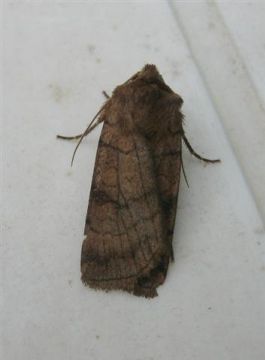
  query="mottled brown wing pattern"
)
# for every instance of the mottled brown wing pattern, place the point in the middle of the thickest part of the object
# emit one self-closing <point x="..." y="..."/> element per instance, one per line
<point x="125" y="246"/>
<point x="167" y="156"/>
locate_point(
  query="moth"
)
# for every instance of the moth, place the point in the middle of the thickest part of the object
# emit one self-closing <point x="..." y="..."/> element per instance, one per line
<point x="133" y="198"/>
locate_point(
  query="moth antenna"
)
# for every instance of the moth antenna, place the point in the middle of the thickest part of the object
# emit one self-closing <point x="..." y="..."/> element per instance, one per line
<point x="185" y="177"/>
<point x="194" y="152"/>
<point x="90" y="127"/>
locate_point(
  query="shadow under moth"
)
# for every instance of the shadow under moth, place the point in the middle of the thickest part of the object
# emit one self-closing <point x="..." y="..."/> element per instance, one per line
<point x="133" y="197"/>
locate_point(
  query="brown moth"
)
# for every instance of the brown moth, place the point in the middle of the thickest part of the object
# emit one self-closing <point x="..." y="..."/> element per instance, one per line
<point x="133" y="198"/>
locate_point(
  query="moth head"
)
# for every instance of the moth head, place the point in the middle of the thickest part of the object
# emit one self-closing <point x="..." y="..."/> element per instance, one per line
<point x="144" y="101"/>
<point x="149" y="74"/>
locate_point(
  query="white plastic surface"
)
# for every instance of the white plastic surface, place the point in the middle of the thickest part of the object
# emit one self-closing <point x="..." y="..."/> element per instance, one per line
<point x="58" y="57"/>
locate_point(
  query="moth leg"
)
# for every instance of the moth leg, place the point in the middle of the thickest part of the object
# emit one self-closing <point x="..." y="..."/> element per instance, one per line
<point x="89" y="128"/>
<point x="76" y="137"/>
<point x="105" y="94"/>
<point x="195" y="154"/>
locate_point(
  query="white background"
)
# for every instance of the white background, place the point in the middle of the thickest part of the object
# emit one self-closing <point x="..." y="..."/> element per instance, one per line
<point x="58" y="57"/>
